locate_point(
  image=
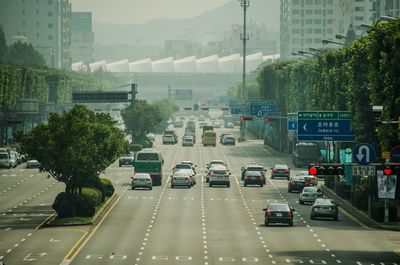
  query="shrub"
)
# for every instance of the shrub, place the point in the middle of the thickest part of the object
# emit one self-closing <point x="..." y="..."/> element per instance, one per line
<point x="108" y="188"/>
<point x="63" y="205"/>
<point x="67" y="205"/>
<point x="94" y="195"/>
<point x="84" y="204"/>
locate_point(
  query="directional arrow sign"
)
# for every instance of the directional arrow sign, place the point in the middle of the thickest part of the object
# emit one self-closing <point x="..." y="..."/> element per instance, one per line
<point x="364" y="154"/>
<point x="292" y="123"/>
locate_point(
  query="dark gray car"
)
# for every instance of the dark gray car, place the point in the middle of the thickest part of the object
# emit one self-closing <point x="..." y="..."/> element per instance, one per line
<point x="278" y="213"/>
<point x="325" y="208"/>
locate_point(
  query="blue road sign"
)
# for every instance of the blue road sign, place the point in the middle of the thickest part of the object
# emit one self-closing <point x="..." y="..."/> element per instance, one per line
<point x="239" y="109"/>
<point x="364" y="154"/>
<point x="261" y="108"/>
<point x="292" y="124"/>
<point x="325" y="126"/>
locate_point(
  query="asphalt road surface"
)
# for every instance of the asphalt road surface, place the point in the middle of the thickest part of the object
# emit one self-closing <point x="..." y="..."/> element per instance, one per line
<point x="200" y="225"/>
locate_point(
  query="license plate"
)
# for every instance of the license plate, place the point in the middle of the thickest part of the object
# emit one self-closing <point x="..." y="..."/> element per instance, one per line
<point x="279" y="214"/>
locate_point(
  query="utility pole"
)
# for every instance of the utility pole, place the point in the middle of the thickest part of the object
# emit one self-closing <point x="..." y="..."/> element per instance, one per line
<point x="244" y="37"/>
<point x="133" y="92"/>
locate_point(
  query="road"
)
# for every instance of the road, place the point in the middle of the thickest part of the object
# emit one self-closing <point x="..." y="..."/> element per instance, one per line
<point x="201" y="225"/>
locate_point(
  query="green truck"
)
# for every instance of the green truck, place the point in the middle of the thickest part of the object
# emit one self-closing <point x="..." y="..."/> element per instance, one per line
<point x="149" y="161"/>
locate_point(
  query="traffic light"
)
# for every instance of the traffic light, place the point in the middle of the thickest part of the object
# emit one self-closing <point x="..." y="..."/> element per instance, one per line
<point x="326" y="169"/>
<point x="266" y="119"/>
<point x="392" y="169"/>
<point x="246" y="118"/>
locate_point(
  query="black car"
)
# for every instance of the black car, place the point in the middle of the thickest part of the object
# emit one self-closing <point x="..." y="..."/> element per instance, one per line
<point x="253" y="178"/>
<point x="325" y="208"/>
<point x="279" y="213"/>
<point x="254" y="167"/>
<point x="280" y="171"/>
<point x="126" y="160"/>
<point x="297" y="183"/>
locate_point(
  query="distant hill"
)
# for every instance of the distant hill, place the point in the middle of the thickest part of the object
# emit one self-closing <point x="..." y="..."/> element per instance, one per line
<point x="203" y="28"/>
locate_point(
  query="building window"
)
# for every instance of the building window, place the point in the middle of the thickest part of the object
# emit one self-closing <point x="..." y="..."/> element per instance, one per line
<point x="359" y="1"/>
<point x="318" y="2"/>
<point x="296" y="31"/>
<point x="309" y="2"/>
<point x="317" y="21"/>
<point x="308" y="31"/>
<point x="309" y="12"/>
<point x="330" y="2"/>
<point x="23" y="23"/>
<point x="308" y="40"/>
<point x="296" y="21"/>
<point x="318" y="31"/>
<point x="329" y="31"/>
<point x="359" y="8"/>
<point x="50" y="14"/>
<point x="359" y="18"/>
<point x="50" y="37"/>
<point x="37" y="11"/>
<point x="318" y="11"/>
<point x="329" y="21"/>
<point x="308" y="21"/>
<point x="330" y="11"/>
<point x="317" y="41"/>
<point x="50" y="25"/>
<point x="296" y="2"/>
<point x="296" y="12"/>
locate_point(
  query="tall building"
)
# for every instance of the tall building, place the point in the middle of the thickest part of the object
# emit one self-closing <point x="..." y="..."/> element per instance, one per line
<point x="354" y="13"/>
<point x="44" y="24"/>
<point x="82" y="37"/>
<point x="389" y="8"/>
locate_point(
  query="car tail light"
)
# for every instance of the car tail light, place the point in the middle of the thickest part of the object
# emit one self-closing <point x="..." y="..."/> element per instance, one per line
<point x="209" y="174"/>
<point x="289" y="214"/>
<point x="246" y="177"/>
<point x="268" y="213"/>
<point x="275" y="170"/>
<point x="286" y="170"/>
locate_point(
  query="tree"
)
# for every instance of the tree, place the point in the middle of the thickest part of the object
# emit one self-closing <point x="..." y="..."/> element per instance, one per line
<point x="3" y="45"/>
<point x="74" y="147"/>
<point x="142" y="120"/>
<point x="24" y="54"/>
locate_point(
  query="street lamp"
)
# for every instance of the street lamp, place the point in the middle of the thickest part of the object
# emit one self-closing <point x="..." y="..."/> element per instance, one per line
<point x="367" y="26"/>
<point x="330" y="41"/>
<point x="341" y="36"/>
<point x="315" y="49"/>
<point x="307" y="54"/>
<point x="387" y="18"/>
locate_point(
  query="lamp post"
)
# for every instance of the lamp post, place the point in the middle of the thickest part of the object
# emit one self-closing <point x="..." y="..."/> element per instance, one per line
<point x="387" y="18"/>
<point x="244" y="37"/>
<point x="333" y="42"/>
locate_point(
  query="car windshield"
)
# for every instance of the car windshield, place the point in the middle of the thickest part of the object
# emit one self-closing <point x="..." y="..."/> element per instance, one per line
<point x="311" y="190"/>
<point x="278" y="207"/>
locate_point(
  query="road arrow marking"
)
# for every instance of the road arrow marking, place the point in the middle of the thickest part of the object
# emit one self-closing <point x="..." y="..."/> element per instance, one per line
<point x="54" y="240"/>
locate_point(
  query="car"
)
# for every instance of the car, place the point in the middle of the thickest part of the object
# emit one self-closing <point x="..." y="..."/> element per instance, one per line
<point x="210" y="170"/>
<point x="280" y="171"/>
<point x="142" y="180"/>
<point x="253" y="178"/>
<point x="254" y="167"/>
<point x="190" y="134"/>
<point x="13" y="159"/>
<point x="229" y="125"/>
<point x="5" y="159"/>
<point x="297" y="183"/>
<point x="216" y="162"/>
<point x="216" y="124"/>
<point x="228" y="140"/>
<point x="178" y="124"/>
<point x="310" y="194"/>
<point x="171" y="132"/>
<point x="187" y="141"/>
<point x="33" y="163"/>
<point x="181" y="178"/>
<point x="168" y="139"/>
<point x="190" y="163"/>
<point x="190" y="173"/>
<point x="126" y="159"/>
<point x="201" y="118"/>
<point x="151" y="137"/>
<point x="220" y="176"/>
<point x="222" y="136"/>
<point x="181" y="166"/>
<point x="323" y="207"/>
<point x="278" y="213"/>
<point x="202" y="124"/>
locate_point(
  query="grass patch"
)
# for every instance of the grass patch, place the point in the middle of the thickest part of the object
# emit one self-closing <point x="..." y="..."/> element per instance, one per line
<point x="77" y="220"/>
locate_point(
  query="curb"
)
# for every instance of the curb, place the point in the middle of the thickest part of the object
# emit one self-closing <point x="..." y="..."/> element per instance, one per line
<point x="100" y="213"/>
<point x="354" y="212"/>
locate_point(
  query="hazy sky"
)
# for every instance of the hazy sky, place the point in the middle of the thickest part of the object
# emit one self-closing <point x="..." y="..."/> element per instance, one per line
<point x="139" y="11"/>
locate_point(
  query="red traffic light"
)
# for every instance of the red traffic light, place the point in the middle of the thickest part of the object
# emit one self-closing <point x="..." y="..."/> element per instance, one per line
<point x="313" y="171"/>
<point x="387" y="171"/>
<point x="242" y="118"/>
<point x="266" y="119"/>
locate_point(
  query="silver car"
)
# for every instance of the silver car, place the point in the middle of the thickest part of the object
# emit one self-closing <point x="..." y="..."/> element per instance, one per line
<point x="142" y="180"/>
<point x="181" y="179"/>
<point x="310" y="194"/>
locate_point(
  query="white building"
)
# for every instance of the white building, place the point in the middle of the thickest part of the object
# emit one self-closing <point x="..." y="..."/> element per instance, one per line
<point x="44" y="23"/>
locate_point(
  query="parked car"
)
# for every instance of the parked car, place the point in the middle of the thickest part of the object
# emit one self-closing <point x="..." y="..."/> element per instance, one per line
<point x="126" y="159"/>
<point x="280" y="171"/>
<point x="219" y="176"/>
<point x="254" y="167"/>
<point x="228" y="140"/>
<point x="325" y="208"/>
<point x="280" y="213"/>
<point x="181" y="178"/>
<point x="142" y="180"/>
<point x="310" y="194"/>
<point x="297" y="183"/>
<point x="5" y="160"/>
<point x="253" y="178"/>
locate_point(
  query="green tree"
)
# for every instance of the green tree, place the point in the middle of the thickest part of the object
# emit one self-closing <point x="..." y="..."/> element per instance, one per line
<point x="3" y="45"/>
<point x="74" y="147"/>
<point x="24" y="54"/>
<point x="142" y="120"/>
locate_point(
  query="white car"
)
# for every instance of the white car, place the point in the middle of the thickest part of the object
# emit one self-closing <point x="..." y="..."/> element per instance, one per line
<point x="32" y="164"/>
<point x="142" y="180"/>
<point x="181" y="178"/>
<point x="187" y="141"/>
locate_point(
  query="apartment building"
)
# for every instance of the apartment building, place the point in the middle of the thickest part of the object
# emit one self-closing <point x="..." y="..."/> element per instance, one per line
<point x="82" y="37"/>
<point x="43" y="23"/>
<point x="389" y="8"/>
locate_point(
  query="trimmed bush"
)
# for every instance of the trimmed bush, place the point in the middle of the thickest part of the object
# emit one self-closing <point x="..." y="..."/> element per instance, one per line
<point x="94" y="195"/>
<point x="67" y="205"/>
<point x="84" y="203"/>
<point x="63" y="205"/>
<point x="108" y="188"/>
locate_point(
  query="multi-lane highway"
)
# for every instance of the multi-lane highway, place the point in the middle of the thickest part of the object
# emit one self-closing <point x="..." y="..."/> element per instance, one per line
<point x="201" y="225"/>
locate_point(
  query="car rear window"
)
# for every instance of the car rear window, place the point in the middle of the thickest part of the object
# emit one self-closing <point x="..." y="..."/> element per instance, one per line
<point x="278" y="207"/>
<point x="281" y="166"/>
<point x="253" y="173"/>
<point x="324" y="202"/>
<point x="311" y="189"/>
<point x="255" y="169"/>
<point x="183" y="166"/>
<point x="219" y="172"/>
<point x="147" y="156"/>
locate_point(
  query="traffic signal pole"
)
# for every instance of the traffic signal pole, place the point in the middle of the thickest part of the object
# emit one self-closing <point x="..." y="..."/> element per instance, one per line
<point x="244" y="37"/>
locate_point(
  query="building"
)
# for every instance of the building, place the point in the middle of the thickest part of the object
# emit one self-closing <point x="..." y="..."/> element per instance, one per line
<point x="389" y="8"/>
<point x="82" y="37"/>
<point x="305" y="23"/>
<point x="354" y="13"/>
<point x="44" y="23"/>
